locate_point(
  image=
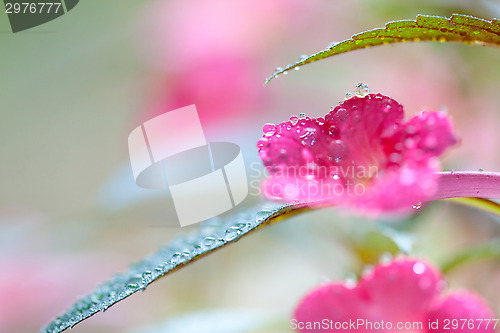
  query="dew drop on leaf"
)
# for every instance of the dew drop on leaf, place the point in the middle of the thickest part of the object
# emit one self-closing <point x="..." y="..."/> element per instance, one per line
<point x="232" y="233"/>
<point x="261" y="215"/>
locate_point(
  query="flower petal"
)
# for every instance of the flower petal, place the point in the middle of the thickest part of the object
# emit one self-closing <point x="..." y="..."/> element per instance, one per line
<point x="361" y="155"/>
<point x="334" y="302"/>
<point x="401" y="291"/>
<point x="462" y="312"/>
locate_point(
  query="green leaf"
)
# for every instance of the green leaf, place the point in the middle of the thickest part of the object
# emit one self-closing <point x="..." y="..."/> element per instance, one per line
<point x="459" y="28"/>
<point x="212" y="235"/>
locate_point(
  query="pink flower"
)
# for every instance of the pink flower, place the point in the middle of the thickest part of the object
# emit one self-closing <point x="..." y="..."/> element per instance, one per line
<point x="404" y="292"/>
<point x="362" y="154"/>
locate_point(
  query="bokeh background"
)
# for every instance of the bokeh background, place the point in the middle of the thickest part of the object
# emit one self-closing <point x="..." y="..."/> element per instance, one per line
<point x="72" y="90"/>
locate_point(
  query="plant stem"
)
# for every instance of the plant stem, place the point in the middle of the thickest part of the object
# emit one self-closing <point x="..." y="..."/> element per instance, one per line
<point x="483" y="251"/>
<point x="477" y="184"/>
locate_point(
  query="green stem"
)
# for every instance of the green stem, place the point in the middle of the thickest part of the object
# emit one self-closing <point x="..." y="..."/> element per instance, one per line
<point x="483" y="251"/>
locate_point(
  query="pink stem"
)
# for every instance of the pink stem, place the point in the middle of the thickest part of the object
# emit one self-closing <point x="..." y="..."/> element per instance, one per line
<point x="479" y="184"/>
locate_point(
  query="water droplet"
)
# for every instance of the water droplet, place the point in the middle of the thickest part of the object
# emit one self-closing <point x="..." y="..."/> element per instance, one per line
<point x="269" y="129"/>
<point x="303" y="57"/>
<point x="302" y="115"/>
<point x="418" y="205"/>
<point x="409" y="143"/>
<point x="278" y="69"/>
<point x="132" y="287"/>
<point x="395" y="157"/>
<point x="480" y="169"/>
<point x="424" y="283"/>
<point x="452" y="172"/>
<point x="410" y="129"/>
<point x="361" y="90"/>
<point x="232" y="233"/>
<point x="294" y="120"/>
<point x="348" y="95"/>
<point x="308" y="140"/>
<point x="342" y="114"/>
<point x="332" y="108"/>
<point x="208" y="242"/>
<point x="287" y="66"/>
<point x="263" y="214"/>
<point x="337" y="150"/>
<point x="418" y="268"/>
<point x="186" y="254"/>
<point x="367" y="271"/>
<point x="333" y="130"/>
<point x="297" y="68"/>
<point x="385" y="258"/>
<point x="147" y="276"/>
<point x="431" y="141"/>
<point x="175" y="258"/>
<point x="350" y="281"/>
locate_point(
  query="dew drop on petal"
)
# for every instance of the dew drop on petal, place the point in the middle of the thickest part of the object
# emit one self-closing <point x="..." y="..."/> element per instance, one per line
<point x="333" y="130"/>
<point x="480" y="169"/>
<point x="350" y="281"/>
<point x="342" y="114"/>
<point x="410" y="129"/>
<point x="367" y="271"/>
<point x="337" y="150"/>
<point x="361" y="90"/>
<point x="418" y="205"/>
<point x="278" y="69"/>
<point x="303" y="57"/>
<point x="418" y="268"/>
<point x="385" y="258"/>
<point x="395" y="157"/>
<point x="348" y="95"/>
<point x="332" y="108"/>
<point x="424" y="283"/>
<point x="294" y="120"/>
<point x="302" y="115"/>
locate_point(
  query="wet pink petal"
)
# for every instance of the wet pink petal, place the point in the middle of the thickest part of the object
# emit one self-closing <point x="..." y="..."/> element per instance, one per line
<point x="361" y="154"/>
<point x="402" y="291"/>
<point x="333" y="302"/>
<point x="462" y="312"/>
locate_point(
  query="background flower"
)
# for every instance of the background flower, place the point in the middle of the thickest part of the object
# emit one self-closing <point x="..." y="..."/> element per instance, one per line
<point x="404" y="291"/>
